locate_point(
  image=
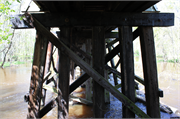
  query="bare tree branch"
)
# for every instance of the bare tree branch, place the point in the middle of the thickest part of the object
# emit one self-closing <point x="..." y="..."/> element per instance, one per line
<point x="8" y="49"/>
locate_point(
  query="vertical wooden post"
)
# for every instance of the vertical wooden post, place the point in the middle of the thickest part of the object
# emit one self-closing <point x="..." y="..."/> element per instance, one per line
<point x="98" y="53"/>
<point x="64" y="69"/>
<point x="37" y="75"/>
<point x="89" y="81"/>
<point x="47" y="67"/>
<point x="107" y="95"/>
<point x="150" y="71"/>
<point x="57" y="60"/>
<point x="127" y="67"/>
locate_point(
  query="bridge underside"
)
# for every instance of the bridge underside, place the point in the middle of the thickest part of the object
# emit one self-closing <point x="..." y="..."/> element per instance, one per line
<point x="93" y="29"/>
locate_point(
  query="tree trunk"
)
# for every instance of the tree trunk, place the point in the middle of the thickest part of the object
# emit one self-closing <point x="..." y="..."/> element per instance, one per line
<point x="7" y="50"/>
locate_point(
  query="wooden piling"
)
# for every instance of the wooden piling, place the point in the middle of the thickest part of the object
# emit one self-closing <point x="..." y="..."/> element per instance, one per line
<point x="37" y="75"/>
<point x="150" y="71"/>
<point x="98" y="53"/>
<point x="64" y="69"/>
<point x="127" y="67"/>
<point x="89" y="81"/>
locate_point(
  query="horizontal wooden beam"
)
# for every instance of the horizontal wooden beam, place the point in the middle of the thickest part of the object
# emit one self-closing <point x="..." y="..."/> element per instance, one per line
<point x="89" y="70"/>
<point x="88" y="34"/>
<point x="101" y="19"/>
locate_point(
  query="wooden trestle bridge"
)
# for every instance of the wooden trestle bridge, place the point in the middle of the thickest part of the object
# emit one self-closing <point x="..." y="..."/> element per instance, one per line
<point x="90" y="24"/>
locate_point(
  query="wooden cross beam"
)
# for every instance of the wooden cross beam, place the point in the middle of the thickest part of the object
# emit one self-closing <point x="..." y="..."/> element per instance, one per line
<point x="116" y="50"/>
<point x="89" y="70"/>
<point x="112" y="19"/>
<point x="88" y="34"/>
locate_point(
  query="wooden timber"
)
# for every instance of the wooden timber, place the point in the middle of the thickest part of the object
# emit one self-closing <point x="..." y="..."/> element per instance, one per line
<point x="137" y="78"/>
<point x="113" y="66"/>
<point x="37" y="75"/>
<point x="47" y="67"/>
<point x="78" y="82"/>
<point x="87" y="18"/>
<point x="98" y="53"/>
<point x="116" y="50"/>
<point x="64" y="69"/>
<point x="88" y="34"/>
<point x="127" y="67"/>
<point x="150" y="71"/>
<point x="112" y="19"/>
<point x="89" y="81"/>
<point x="90" y="71"/>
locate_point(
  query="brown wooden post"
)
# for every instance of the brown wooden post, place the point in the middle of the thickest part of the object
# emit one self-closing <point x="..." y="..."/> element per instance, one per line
<point x="47" y="66"/>
<point x="150" y="71"/>
<point x="98" y="53"/>
<point x="89" y="81"/>
<point x="37" y="75"/>
<point x="127" y="67"/>
<point x="64" y="69"/>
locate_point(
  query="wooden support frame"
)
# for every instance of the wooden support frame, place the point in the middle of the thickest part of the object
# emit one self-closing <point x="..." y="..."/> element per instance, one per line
<point x="150" y="71"/>
<point x="38" y="66"/>
<point x="127" y="67"/>
<point x="113" y="19"/>
<point x="90" y="71"/>
<point x="98" y="54"/>
<point x="116" y="50"/>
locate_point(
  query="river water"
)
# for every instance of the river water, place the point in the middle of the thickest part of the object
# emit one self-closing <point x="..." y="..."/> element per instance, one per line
<point x="15" y="80"/>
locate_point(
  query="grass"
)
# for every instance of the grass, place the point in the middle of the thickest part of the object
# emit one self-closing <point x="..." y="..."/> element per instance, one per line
<point x="8" y="64"/>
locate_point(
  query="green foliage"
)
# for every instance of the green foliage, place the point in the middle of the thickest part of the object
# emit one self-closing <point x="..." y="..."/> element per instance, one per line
<point x="136" y="53"/>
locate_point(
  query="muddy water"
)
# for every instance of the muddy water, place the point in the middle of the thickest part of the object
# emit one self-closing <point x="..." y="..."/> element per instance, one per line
<point x="14" y="84"/>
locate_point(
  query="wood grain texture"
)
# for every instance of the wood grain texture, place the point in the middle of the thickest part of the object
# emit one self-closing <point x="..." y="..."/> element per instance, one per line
<point x="150" y="71"/>
<point x="127" y="67"/>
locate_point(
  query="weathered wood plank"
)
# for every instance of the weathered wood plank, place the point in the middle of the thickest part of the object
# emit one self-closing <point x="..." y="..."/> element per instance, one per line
<point x="64" y="69"/>
<point x="89" y="70"/>
<point x="50" y="105"/>
<point x="150" y="71"/>
<point x="78" y="82"/>
<point x="100" y="19"/>
<point x="127" y="67"/>
<point x="98" y="52"/>
<point x="47" y="67"/>
<point x="37" y="75"/>
<point x="82" y="52"/>
<point x="88" y="34"/>
<point x="89" y="84"/>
